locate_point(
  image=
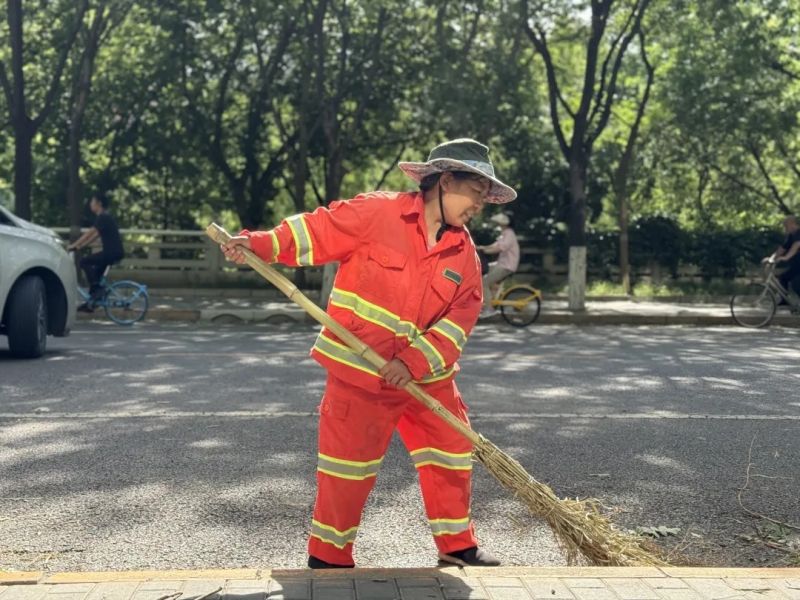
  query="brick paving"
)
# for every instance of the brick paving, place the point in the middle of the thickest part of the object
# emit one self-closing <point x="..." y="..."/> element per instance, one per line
<point x="510" y="583"/>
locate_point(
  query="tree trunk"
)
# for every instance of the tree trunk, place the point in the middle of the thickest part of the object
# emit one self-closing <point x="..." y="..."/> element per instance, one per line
<point x="23" y="169"/>
<point x="80" y="94"/>
<point x="24" y="125"/>
<point x="577" y="234"/>
<point x="624" y="248"/>
<point x="74" y="183"/>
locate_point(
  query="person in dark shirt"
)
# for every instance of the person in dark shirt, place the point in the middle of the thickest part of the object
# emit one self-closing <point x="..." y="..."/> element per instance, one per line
<point x="105" y="227"/>
<point x="789" y="252"/>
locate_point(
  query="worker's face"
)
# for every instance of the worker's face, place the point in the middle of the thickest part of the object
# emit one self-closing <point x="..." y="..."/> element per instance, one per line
<point x="790" y="225"/>
<point x="463" y="198"/>
<point x="95" y="206"/>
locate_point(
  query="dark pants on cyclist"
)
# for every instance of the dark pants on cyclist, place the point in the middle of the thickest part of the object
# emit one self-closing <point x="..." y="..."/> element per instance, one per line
<point x="791" y="276"/>
<point x="94" y="266"/>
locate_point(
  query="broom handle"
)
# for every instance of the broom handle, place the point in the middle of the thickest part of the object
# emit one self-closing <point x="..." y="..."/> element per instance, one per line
<point x="219" y="235"/>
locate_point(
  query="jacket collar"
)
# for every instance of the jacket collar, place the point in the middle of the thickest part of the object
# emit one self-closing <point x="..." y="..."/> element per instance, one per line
<point x="413" y="205"/>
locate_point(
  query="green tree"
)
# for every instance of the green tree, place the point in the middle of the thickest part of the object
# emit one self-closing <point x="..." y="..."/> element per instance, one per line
<point x="595" y="80"/>
<point x="54" y="27"/>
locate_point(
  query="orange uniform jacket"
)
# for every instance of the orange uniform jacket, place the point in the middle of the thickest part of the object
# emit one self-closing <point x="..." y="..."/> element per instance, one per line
<point x="399" y="297"/>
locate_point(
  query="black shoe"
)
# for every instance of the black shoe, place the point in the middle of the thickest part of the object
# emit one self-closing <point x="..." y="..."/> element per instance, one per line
<point x="469" y="557"/>
<point x="85" y="307"/>
<point x="316" y="563"/>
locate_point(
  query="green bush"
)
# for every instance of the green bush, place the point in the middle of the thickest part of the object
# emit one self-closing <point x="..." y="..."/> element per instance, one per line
<point x="660" y="240"/>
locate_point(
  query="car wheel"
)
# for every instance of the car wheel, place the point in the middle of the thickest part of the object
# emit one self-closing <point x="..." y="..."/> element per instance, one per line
<point x="27" y="318"/>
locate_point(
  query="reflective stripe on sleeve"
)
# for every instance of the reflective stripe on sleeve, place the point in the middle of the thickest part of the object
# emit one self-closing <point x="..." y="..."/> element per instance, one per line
<point x="452" y="332"/>
<point x="304" y="251"/>
<point x="435" y="360"/>
<point x="276" y="246"/>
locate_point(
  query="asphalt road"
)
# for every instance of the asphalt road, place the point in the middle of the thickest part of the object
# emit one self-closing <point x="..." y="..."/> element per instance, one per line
<point x="185" y="447"/>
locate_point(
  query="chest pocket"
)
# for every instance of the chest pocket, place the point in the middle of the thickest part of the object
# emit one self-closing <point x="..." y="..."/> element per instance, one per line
<point x="383" y="273"/>
<point x="386" y="257"/>
<point x="444" y="291"/>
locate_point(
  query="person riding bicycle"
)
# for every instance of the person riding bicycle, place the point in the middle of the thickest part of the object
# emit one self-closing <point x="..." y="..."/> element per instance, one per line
<point x="507" y="247"/>
<point x="105" y="227"/>
<point x="789" y="252"/>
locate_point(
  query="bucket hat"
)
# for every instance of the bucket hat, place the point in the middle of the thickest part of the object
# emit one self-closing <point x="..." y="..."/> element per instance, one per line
<point x="463" y="154"/>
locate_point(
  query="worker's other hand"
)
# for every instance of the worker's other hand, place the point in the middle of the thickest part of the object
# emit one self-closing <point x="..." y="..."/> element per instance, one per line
<point x="232" y="249"/>
<point x="395" y="373"/>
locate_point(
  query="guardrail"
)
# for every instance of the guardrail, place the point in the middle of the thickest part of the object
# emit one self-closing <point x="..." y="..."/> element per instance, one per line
<point x="180" y="258"/>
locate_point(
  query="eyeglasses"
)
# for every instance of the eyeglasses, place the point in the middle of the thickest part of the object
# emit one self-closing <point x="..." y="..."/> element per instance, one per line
<point x="480" y="185"/>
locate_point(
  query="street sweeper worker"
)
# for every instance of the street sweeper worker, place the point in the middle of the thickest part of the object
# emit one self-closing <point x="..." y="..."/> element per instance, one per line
<point x="409" y="286"/>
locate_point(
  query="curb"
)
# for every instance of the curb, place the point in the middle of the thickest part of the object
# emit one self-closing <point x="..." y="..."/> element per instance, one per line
<point x="291" y="315"/>
<point x="41" y="577"/>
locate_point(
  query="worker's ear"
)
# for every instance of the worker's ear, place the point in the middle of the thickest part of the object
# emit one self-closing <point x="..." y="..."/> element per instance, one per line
<point x="446" y="180"/>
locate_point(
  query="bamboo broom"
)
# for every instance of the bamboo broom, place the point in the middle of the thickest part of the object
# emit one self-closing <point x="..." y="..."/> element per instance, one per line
<point x="579" y="526"/>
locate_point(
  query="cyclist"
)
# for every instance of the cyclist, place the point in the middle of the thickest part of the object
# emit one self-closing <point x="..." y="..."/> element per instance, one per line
<point x="105" y="227"/>
<point x="507" y="247"/>
<point x="789" y="252"/>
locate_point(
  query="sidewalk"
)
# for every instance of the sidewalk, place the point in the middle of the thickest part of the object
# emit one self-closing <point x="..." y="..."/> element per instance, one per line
<point x="269" y="306"/>
<point x="509" y="583"/>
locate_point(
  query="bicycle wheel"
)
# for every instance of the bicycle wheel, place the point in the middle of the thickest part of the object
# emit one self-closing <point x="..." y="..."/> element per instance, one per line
<point x="526" y="311"/>
<point x="755" y="307"/>
<point x="126" y="302"/>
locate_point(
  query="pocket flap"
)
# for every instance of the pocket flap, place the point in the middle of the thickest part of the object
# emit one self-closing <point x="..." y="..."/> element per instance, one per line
<point x="445" y="288"/>
<point x="387" y="257"/>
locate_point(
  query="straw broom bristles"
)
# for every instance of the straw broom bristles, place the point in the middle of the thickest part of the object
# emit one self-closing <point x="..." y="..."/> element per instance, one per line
<point x="579" y="526"/>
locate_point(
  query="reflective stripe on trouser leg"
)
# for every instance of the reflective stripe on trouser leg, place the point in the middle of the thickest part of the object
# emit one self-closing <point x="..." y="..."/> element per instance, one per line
<point x="441" y="456"/>
<point x="355" y="428"/>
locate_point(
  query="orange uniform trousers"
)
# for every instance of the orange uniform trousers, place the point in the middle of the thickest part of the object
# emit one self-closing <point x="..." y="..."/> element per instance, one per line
<point x="355" y="430"/>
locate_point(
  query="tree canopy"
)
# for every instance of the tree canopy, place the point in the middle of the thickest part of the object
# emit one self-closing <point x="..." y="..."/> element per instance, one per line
<point x="249" y="110"/>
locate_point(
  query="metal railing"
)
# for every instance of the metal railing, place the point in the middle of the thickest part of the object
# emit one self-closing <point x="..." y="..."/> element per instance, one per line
<point x="181" y="258"/>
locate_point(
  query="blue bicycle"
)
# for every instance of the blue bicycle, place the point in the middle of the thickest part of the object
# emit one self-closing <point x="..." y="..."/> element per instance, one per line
<point x="125" y="302"/>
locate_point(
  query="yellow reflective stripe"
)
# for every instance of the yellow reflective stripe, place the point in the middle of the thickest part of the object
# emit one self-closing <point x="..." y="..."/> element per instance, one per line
<point x="432" y="379"/>
<point x="343" y="354"/>
<point x="382" y="317"/>
<point x="448" y="526"/>
<point x="435" y="360"/>
<point x="304" y="252"/>
<point x="439" y="458"/>
<point x="348" y="469"/>
<point x="373" y="313"/>
<point x="331" y="535"/>
<point x="276" y="247"/>
<point x="452" y="332"/>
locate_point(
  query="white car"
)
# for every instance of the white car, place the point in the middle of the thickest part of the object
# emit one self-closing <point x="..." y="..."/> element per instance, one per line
<point x="38" y="286"/>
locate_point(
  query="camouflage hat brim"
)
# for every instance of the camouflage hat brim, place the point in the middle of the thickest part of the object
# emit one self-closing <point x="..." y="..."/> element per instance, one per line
<point x="499" y="193"/>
